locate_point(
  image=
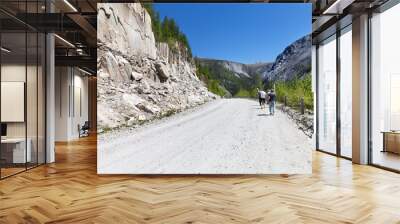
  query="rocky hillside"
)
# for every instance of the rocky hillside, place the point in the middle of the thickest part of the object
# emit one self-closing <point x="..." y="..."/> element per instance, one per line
<point x="139" y="79"/>
<point x="293" y="62"/>
<point x="259" y="68"/>
<point x="238" y="69"/>
<point x="232" y="76"/>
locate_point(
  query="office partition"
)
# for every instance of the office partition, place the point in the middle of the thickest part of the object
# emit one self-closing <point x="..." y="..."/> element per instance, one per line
<point x="22" y="77"/>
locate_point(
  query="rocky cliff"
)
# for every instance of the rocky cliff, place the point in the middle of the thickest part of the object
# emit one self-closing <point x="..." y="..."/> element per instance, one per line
<point x="293" y="62"/>
<point x="139" y="79"/>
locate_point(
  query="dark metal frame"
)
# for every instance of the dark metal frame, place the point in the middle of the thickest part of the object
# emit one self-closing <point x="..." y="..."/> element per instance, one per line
<point x="369" y="90"/>
<point x="338" y="76"/>
<point x="316" y="97"/>
<point x="45" y="89"/>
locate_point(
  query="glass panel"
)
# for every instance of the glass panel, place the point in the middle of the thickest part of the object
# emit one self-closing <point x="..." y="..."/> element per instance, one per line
<point x="385" y="89"/>
<point x="346" y="92"/>
<point x="41" y="99"/>
<point x="13" y="88"/>
<point x="23" y="89"/>
<point x="31" y="98"/>
<point x="327" y="95"/>
<point x="32" y="89"/>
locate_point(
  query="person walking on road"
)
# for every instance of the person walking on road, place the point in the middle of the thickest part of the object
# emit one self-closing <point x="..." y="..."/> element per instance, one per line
<point x="271" y="101"/>
<point x="261" y="97"/>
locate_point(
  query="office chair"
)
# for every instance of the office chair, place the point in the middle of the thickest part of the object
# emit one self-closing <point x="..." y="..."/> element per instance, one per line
<point x="84" y="130"/>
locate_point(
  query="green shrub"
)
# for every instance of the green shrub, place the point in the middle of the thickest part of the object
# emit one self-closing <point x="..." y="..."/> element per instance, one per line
<point x="214" y="87"/>
<point x="243" y="93"/>
<point x="294" y="90"/>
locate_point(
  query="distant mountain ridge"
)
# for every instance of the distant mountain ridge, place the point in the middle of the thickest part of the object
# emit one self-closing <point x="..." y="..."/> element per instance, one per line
<point x="294" y="61"/>
<point x="240" y="70"/>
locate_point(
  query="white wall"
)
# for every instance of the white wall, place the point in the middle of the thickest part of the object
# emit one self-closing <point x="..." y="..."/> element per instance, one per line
<point x="33" y="126"/>
<point x="70" y="83"/>
<point x="16" y="73"/>
<point x="12" y="73"/>
<point x="79" y="117"/>
<point x="62" y="82"/>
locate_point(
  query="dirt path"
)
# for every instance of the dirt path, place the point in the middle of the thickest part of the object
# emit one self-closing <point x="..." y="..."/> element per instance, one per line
<point x="229" y="136"/>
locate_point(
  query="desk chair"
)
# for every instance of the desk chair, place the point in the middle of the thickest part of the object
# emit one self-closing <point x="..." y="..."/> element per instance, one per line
<point x="84" y="130"/>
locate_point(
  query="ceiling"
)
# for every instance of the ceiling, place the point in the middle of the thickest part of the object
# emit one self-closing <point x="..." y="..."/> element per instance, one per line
<point x="75" y="22"/>
<point x="330" y="15"/>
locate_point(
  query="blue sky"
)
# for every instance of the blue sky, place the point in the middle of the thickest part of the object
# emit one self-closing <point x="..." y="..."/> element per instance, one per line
<point x="242" y="32"/>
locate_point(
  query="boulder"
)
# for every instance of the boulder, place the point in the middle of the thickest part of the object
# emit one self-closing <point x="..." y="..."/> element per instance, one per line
<point x="136" y="76"/>
<point x="141" y="117"/>
<point x="112" y="67"/>
<point x="162" y="71"/>
<point x="146" y="107"/>
<point x="131" y="99"/>
<point x="144" y="88"/>
<point x="125" y="68"/>
<point x="107" y="118"/>
<point x="102" y="74"/>
<point x="152" y="98"/>
<point x="131" y="121"/>
<point x="194" y="100"/>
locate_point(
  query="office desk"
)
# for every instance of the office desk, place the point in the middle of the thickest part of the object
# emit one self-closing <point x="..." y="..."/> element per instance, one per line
<point x="391" y="141"/>
<point x="13" y="150"/>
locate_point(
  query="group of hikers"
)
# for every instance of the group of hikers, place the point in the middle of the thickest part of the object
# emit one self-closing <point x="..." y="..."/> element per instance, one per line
<point x="270" y="96"/>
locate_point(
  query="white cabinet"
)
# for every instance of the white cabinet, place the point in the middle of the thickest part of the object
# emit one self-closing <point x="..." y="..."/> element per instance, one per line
<point x="19" y="155"/>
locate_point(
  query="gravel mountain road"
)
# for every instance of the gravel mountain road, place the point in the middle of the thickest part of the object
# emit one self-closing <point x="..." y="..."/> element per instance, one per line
<point x="227" y="136"/>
